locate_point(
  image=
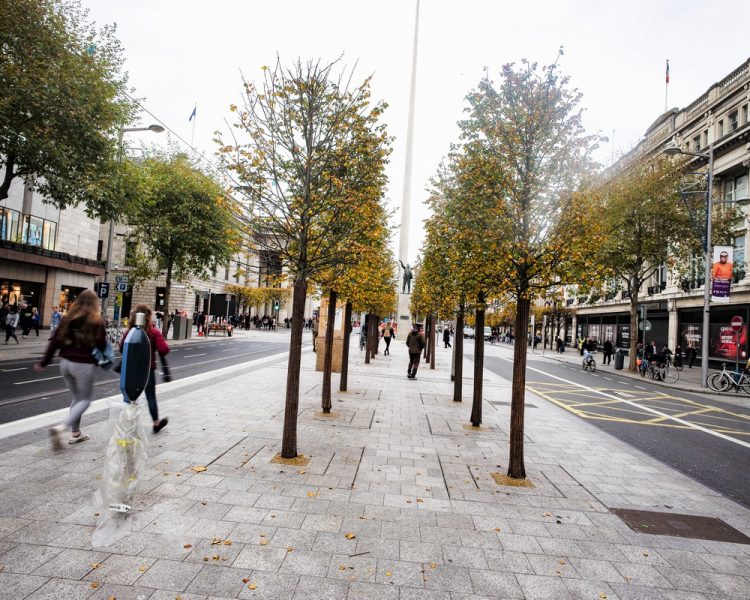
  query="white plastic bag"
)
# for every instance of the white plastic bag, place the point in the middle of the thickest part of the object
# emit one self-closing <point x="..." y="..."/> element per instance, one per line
<point x="125" y="459"/>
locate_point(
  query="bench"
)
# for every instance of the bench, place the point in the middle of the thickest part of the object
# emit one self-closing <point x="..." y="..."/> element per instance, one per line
<point x="217" y="327"/>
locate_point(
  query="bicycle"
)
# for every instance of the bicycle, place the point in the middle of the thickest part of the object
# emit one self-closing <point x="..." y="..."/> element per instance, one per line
<point x="663" y="372"/>
<point x="724" y="380"/>
<point x="114" y="335"/>
<point x="589" y="362"/>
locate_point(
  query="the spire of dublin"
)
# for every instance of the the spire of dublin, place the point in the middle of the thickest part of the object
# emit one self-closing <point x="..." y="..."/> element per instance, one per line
<point x="405" y="271"/>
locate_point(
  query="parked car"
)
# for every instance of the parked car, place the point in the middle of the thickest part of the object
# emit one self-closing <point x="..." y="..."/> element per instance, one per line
<point x="469" y="332"/>
<point x="487" y="334"/>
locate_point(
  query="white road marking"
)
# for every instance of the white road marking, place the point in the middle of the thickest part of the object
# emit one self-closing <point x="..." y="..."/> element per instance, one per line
<point x="192" y="355"/>
<point x="640" y="406"/>
<point x="35" y="380"/>
<point x="609" y="379"/>
<point x="11" y="370"/>
<point x="640" y="387"/>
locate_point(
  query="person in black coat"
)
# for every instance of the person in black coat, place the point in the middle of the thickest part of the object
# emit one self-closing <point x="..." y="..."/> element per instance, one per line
<point x="608" y="351"/>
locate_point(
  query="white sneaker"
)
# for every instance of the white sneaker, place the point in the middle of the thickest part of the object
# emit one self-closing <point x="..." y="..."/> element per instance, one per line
<point x="77" y="439"/>
<point x="56" y="433"/>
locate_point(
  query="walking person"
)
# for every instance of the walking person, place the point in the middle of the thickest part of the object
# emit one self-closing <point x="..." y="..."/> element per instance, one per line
<point x="54" y="322"/>
<point x="158" y="346"/>
<point x="80" y="332"/>
<point x="608" y="351"/>
<point x="388" y="336"/>
<point x="11" y="322"/>
<point x="415" y="342"/>
<point x="35" y="316"/>
<point x="315" y="330"/>
<point x="25" y="320"/>
<point x="446" y="337"/>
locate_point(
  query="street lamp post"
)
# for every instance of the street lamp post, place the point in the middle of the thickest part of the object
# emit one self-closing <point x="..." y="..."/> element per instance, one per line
<point x="672" y="149"/>
<point x="111" y="234"/>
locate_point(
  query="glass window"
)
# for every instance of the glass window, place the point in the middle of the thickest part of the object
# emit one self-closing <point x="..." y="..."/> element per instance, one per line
<point x="49" y="234"/>
<point x="705" y="138"/>
<point x="739" y="258"/>
<point x="734" y="120"/>
<point x="9" y="220"/>
<point x="697" y="142"/>
<point x="32" y="231"/>
<point x="744" y="114"/>
<point x="740" y="187"/>
<point x="720" y="128"/>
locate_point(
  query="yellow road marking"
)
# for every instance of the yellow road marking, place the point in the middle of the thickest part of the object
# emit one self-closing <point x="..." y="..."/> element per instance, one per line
<point x="682" y="414"/>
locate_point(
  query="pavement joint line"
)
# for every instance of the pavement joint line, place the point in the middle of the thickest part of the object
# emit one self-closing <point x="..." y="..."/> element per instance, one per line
<point x="646" y="408"/>
<point x="50" y="418"/>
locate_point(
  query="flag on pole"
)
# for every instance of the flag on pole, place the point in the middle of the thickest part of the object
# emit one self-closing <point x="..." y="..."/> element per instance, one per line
<point x="667" y="71"/>
<point x="192" y="114"/>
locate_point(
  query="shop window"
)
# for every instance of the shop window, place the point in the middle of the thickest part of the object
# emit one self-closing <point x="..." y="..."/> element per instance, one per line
<point x="9" y="224"/>
<point x="31" y="234"/>
<point x="67" y="296"/>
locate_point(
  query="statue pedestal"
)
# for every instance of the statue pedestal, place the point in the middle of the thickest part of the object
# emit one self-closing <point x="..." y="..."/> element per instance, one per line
<point x="404" y="314"/>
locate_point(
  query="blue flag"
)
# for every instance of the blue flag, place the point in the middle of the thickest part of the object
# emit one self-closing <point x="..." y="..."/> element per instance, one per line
<point x="192" y="114"/>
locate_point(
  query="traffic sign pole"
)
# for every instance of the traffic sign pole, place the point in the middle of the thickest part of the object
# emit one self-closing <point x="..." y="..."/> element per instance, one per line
<point x="736" y="324"/>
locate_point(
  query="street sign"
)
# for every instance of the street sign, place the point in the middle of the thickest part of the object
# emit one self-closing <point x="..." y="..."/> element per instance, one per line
<point x="121" y="286"/>
<point x="121" y="279"/>
<point x="103" y="289"/>
<point x="648" y="325"/>
<point x="736" y="323"/>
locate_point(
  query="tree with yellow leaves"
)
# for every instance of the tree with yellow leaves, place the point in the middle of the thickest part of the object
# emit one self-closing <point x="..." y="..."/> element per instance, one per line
<point x="298" y="134"/>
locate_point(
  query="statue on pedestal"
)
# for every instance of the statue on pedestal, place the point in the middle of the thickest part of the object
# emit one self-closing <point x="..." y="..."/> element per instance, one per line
<point x="406" y="281"/>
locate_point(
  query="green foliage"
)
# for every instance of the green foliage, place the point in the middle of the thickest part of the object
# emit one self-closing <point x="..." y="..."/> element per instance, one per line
<point x="183" y="219"/>
<point x="61" y="101"/>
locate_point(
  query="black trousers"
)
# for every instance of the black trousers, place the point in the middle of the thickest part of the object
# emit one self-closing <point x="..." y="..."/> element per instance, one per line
<point x="387" y="344"/>
<point x="414" y="362"/>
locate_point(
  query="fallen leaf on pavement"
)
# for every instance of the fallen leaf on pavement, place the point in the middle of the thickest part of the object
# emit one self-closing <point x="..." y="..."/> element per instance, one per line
<point x="245" y="580"/>
<point x="94" y="585"/>
<point x="199" y="468"/>
<point x="387" y="573"/>
<point x="350" y="536"/>
<point x="186" y="546"/>
<point x="252" y="586"/>
<point x="96" y="565"/>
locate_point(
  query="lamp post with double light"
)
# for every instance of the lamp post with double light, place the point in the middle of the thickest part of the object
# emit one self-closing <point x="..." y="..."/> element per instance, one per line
<point x="111" y="234"/>
<point x="672" y="150"/>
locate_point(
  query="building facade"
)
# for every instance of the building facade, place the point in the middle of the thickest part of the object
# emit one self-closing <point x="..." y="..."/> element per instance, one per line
<point x="674" y="305"/>
<point x="47" y="256"/>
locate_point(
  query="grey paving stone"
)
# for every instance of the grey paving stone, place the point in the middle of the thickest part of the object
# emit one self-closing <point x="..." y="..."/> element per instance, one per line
<point x="513" y="562"/>
<point x="246" y="514"/>
<point x="120" y="569"/>
<point x="314" y="588"/>
<point x="399" y="573"/>
<point x="626" y="591"/>
<point x="372" y="591"/>
<point x="730" y="585"/>
<point x="218" y="581"/>
<point x="209" y="510"/>
<point x="682" y="579"/>
<point x="519" y="543"/>
<point x="24" y="558"/>
<point x="270" y="586"/>
<point x="642" y="575"/>
<point x="167" y="595"/>
<point x="283" y="518"/>
<point x="408" y="593"/>
<point x="596" y="570"/>
<point x="70" y="564"/>
<point x="553" y="566"/>
<point x="446" y="577"/>
<point x="206" y="552"/>
<point x="210" y="529"/>
<point x="246" y="533"/>
<point x="122" y="592"/>
<point x="465" y="557"/>
<point x="543" y="588"/>
<point x="307" y="562"/>
<point x="580" y="589"/>
<point x="495" y="584"/>
<point x="167" y="547"/>
<point x="421" y="552"/>
<point x="16" y="585"/>
<point x="294" y="538"/>
<point x="56" y="589"/>
<point x="169" y="575"/>
<point x="39" y="532"/>
<point x="260" y="558"/>
<point x="389" y="549"/>
<point x="327" y="523"/>
<point x="356" y="568"/>
<point x="718" y="562"/>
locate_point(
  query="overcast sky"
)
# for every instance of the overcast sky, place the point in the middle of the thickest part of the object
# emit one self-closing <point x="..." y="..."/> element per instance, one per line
<point x="179" y="52"/>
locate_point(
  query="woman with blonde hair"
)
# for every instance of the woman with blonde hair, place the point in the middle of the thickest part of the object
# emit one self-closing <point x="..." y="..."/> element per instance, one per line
<point x="158" y="345"/>
<point x="80" y="332"/>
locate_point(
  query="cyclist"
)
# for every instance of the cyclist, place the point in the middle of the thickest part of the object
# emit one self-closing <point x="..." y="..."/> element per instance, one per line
<point x="588" y="359"/>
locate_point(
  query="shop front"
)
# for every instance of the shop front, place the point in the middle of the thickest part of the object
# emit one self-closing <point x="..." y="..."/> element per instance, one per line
<point x="16" y="292"/>
<point x="615" y="327"/>
<point x="724" y="344"/>
<point x="67" y="296"/>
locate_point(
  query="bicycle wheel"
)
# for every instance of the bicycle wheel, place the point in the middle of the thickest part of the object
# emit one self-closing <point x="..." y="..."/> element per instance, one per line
<point x="584" y="366"/>
<point x="677" y="366"/>
<point x="669" y="375"/>
<point x="718" y="382"/>
<point x="592" y="365"/>
<point x="744" y="385"/>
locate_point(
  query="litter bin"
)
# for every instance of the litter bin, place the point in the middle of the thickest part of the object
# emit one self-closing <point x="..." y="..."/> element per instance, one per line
<point x="619" y="360"/>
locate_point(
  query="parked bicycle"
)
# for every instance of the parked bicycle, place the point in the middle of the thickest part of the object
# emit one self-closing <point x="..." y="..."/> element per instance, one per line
<point x="588" y="361"/>
<point x="114" y="335"/>
<point x="725" y="380"/>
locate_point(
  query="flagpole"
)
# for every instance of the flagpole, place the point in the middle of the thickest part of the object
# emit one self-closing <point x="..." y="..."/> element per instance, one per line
<point x="666" y="89"/>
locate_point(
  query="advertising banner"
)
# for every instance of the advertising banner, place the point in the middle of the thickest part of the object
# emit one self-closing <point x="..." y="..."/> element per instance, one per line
<point x="724" y="342"/>
<point x="721" y="273"/>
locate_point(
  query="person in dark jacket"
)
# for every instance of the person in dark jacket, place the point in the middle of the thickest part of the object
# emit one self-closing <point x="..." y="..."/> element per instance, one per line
<point x="608" y="351"/>
<point x="158" y="346"/>
<point x="447" y="337"/>
<point x="26" y="320"/>
<point x="80" y="332"/>
<point x="415" y="342"/>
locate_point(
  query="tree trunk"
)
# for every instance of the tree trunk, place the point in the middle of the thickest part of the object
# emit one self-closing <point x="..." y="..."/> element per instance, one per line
<point x="167" y="296"/>
<point x="458" y="340"/>
<point x="433" y="341"/>
<point x="10" y="165"/>
<point x="289" y="441"/>
<point x="328" y="352"/>
<point x="476" y="406"/>
<point x="516" y="468"/>
<point x="345" y="347"/>
<point x="376" y="339"/>
<point x="368" y="327"/>
<point x="634" y="333"/>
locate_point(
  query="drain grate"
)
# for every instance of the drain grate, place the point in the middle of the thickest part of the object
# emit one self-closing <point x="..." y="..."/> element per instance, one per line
<point x="686" y="526"/>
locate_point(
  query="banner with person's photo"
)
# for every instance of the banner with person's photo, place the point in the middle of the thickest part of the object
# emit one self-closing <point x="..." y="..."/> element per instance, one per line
<point x="721" y="273"/>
